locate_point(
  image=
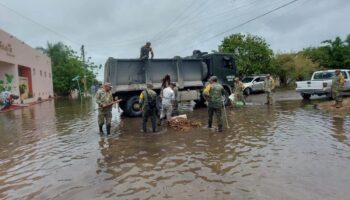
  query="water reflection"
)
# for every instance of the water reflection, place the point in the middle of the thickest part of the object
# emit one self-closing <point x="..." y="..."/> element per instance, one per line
<point x="287" y="151"/>
<point x="339" y="128"/>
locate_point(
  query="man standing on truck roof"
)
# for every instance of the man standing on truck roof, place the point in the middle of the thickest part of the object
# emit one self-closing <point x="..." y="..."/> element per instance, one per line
<point x="337" y="88"/>
<point x="104" y="98"/>
<point x="144" y="55"/>
<point x="145" y="50"/>
<point x="213" y="94"/>
<point x="149" y="107"/>
<point x="269" y="86"/>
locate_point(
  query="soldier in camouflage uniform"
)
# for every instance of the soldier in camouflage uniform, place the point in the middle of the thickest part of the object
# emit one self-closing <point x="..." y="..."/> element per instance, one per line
<point x="213" y="94"/>
<point x="269" y="86"/>
<point x="238" y="92"/>
<point x="337" y="88"/>
<point x="144" y="55"/>
<point x="145" y="50"/>
<point x="103" y="98"/>
<point x="145" y="97"/>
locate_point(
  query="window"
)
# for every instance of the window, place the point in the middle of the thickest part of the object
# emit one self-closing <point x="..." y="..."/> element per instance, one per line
<point x="49" y="75"/>
<point x="247" y="80"/>
<point x="228" y="62"/>
<point x="262" y="79"/>
<point x="327" y="75"/>
<point x="257" y="79"/>
<point x="344" y="74"/>
<point x="33" y="71"/>
<point x="45" y="74"/>
<point x="41" y="73"/>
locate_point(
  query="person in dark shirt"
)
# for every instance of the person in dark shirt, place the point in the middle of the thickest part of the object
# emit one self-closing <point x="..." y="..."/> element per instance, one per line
<point x="145" y="50"/>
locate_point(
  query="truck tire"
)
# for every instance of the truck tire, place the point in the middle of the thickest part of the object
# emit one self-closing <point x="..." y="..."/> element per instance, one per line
<point x="248" y="91"/>
<point x="306" y="96"/>
<point x="133" y="108"/>
<point x="227" y="100"/>
<point x="159" y="105"/>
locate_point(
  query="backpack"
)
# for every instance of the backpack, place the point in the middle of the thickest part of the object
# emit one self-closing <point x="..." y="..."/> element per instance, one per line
<point x="152" y="102"/>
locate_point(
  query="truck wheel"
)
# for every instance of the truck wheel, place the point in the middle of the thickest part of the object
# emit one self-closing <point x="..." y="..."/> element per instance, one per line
<point x="227" y="100"/>
<point x="133" y="107"/>
<point x="306" y="96"/>
<point x="247" y="91"/>
<point x="159" y="105"/>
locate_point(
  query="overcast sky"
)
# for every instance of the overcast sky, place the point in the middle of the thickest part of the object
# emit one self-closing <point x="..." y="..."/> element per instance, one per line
<point x="118" y="28"/>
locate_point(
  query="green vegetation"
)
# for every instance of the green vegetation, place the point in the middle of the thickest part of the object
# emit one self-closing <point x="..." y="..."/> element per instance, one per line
<point x="293" y="67"/>
<point x="332" y="54"/>
<point x="252" y="53"/>
<point x="254" y="56"/>
<point x="22" y="88"/>
<point x="66" y="64"/>
<point x="6" y="85"/>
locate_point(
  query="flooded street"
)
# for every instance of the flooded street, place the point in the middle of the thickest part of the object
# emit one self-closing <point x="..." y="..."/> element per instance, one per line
<point x="287" y="151"/>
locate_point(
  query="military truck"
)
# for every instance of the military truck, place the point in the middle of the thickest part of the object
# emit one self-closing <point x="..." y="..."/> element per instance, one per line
<point x="130" y="76"/>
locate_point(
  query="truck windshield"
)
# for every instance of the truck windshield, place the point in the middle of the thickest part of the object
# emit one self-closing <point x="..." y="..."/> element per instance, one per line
<point x="247" y="79"/>
<point x="324" y="75"/>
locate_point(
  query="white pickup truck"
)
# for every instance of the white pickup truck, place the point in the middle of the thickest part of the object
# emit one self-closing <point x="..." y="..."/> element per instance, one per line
<point x="321" y="83"/>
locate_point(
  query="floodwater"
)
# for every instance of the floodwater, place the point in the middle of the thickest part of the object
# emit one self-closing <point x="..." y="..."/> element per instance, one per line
<point x="287" y="151"/>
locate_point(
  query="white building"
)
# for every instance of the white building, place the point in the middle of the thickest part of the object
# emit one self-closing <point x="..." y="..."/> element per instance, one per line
<point x="28" y="66"/>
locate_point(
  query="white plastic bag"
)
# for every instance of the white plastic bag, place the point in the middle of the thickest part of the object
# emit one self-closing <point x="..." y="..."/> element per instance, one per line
<point x="232" y="97"/>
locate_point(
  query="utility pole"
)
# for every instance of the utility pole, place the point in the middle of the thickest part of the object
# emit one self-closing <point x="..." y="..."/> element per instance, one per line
<point x="84" y="79"/>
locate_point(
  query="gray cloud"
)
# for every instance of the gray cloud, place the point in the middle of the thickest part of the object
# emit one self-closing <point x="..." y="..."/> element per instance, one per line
<point x="118" y="28"/>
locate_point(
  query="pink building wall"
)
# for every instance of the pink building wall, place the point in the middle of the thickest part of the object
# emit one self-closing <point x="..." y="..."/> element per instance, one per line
<point x="15" y="53"/>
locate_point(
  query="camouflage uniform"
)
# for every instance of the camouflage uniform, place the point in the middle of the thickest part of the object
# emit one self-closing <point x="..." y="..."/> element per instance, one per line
<point x="238" y="92"/>
<point x="103" y="98"/>
<point x="144" y="52"/>
<point x="148" y="112"/>
<point x="269" y="86"/>
<point x="213" y="93"/>
<point x="144" y="55"/>
<point x="337" y="88"/>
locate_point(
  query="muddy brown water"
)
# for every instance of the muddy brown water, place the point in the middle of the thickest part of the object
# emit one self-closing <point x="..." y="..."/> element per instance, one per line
<point x="286" y="151"/>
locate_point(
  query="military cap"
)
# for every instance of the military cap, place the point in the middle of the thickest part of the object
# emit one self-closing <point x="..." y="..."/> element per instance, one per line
<point x="213" y="78"/>
<point x="107" y="84"/>
<point x="149" y="85"/>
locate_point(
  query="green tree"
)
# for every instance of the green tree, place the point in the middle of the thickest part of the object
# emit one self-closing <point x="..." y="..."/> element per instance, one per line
<point x="291" y="67"/>
<point x="332" y="54"/>
<point x="252" y="53"/>
<point x="66" y="65"/>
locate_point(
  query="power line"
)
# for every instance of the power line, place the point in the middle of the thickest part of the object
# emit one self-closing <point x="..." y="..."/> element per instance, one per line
<point x="244" y="23"/>
<point x="39" y="24"/>
<point x="174" y="21"/>
<point x="220" y="20"/>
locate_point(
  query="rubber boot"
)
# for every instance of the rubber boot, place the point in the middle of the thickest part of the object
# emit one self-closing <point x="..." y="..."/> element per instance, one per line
<point x="101" y="130"/>
<point x="144" y="128"/>
<point x="338" y="104"/>
<point x="220" y="128"/>
<point x="108" y="127"/>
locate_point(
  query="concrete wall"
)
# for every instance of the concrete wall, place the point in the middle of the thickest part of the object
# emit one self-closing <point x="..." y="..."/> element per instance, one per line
<point x="14" y="53"/>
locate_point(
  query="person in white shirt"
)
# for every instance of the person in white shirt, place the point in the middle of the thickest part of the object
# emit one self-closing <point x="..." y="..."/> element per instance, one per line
<point x="168" y="98"/>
